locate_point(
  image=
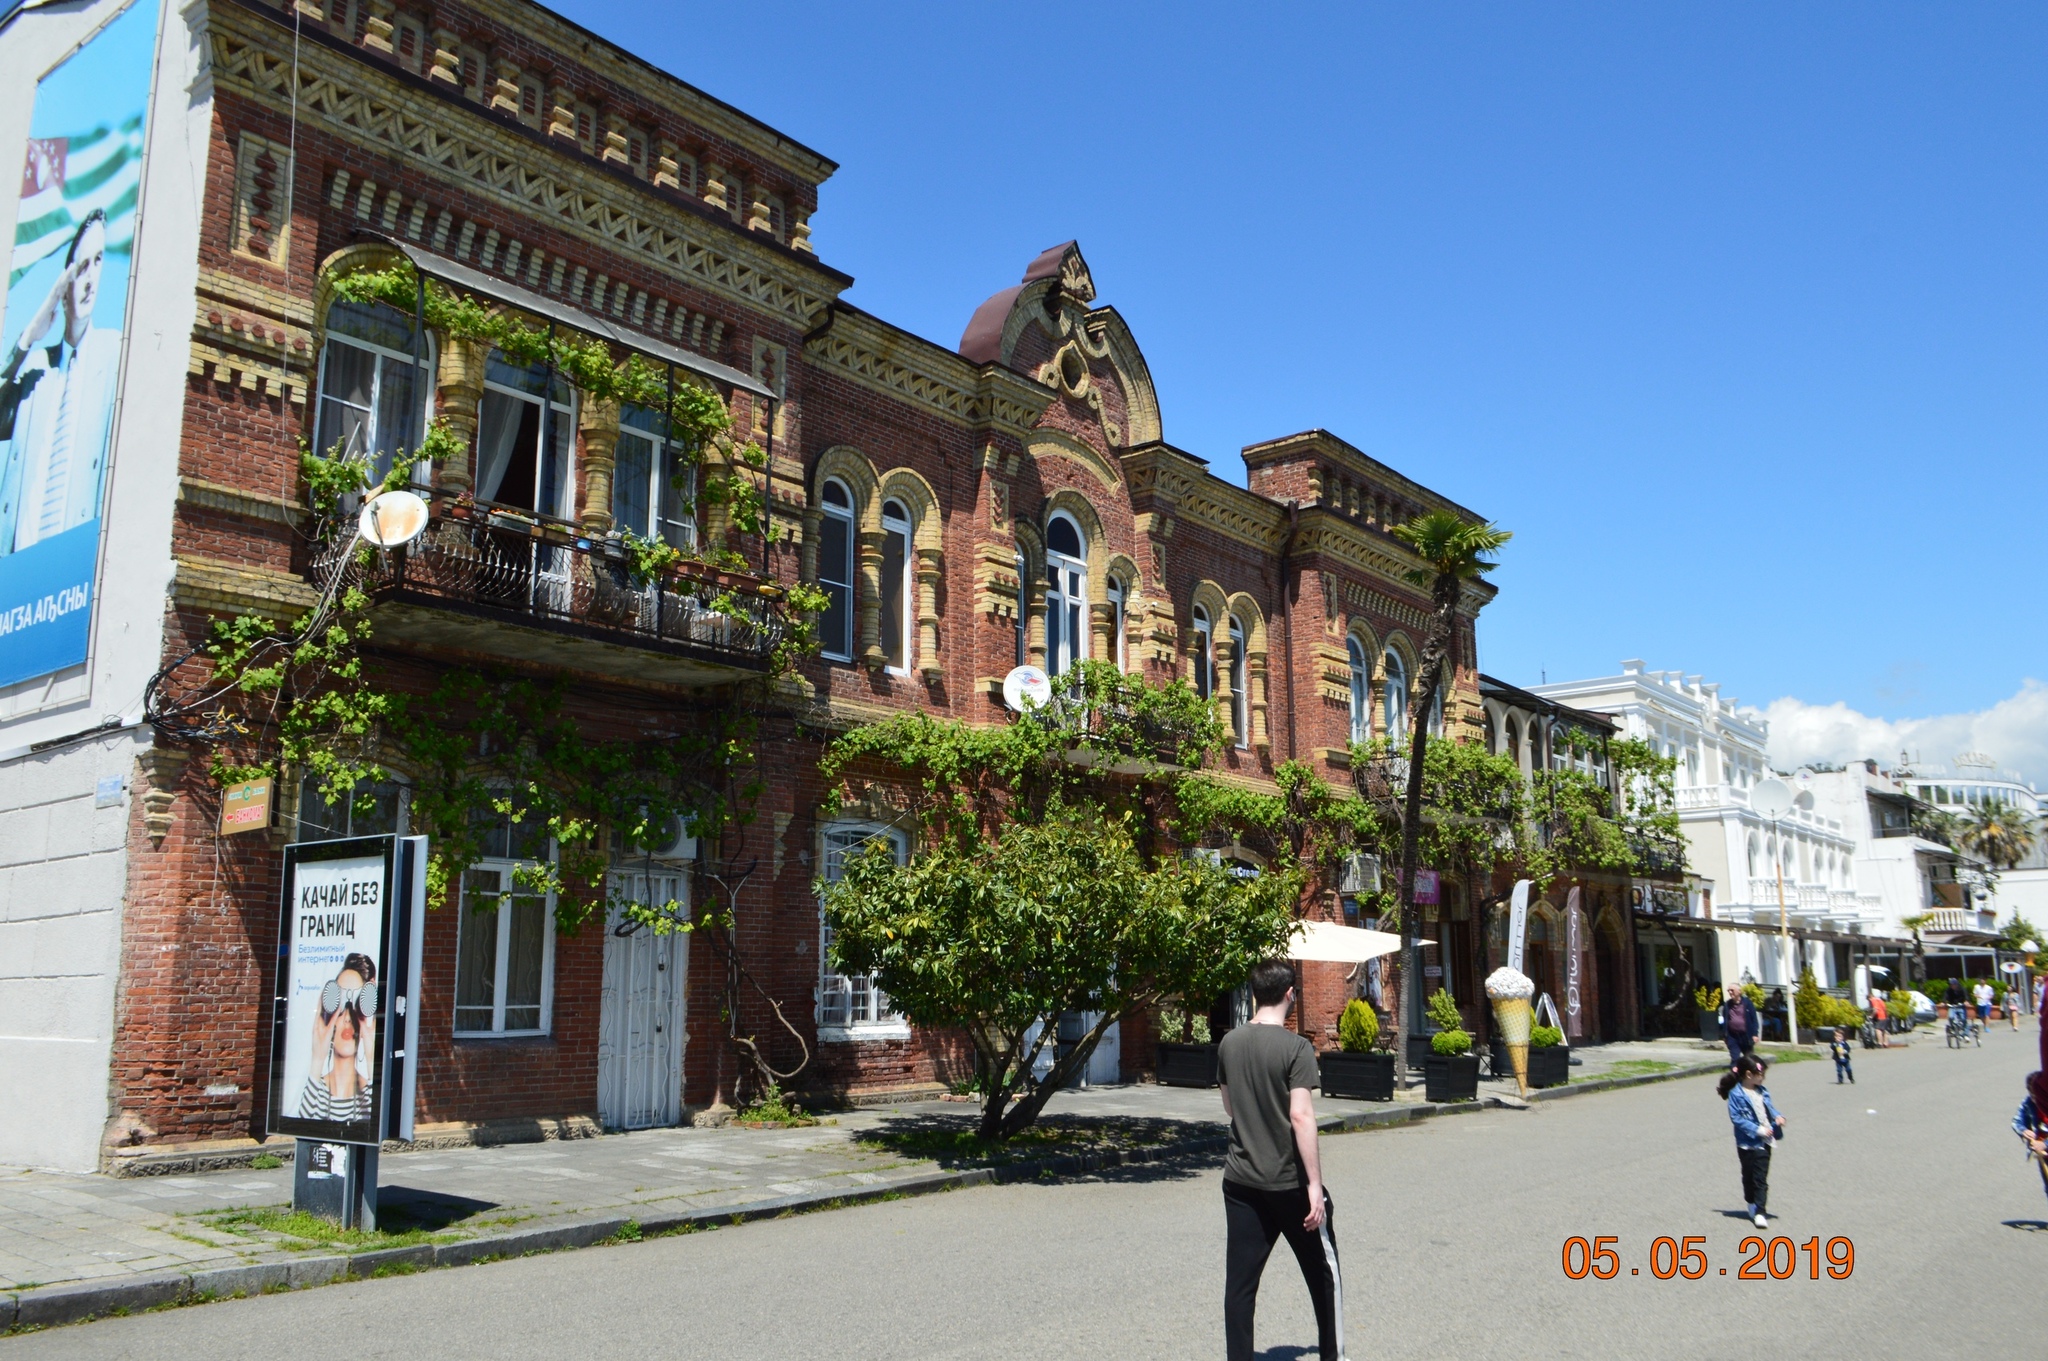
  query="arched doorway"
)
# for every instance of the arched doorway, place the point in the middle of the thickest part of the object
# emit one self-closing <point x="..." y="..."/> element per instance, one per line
<point x="1610" y="974"/>
<point x="1541" y="950"/>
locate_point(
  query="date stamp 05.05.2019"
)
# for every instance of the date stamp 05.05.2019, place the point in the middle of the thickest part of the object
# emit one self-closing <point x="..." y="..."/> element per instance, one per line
<point x="1763" y="1259"/>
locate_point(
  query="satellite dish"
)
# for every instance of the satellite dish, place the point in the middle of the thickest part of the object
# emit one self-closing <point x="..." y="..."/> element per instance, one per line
<point x="1027" y="687"/>
<point x="1771" y="799"/>
<point x="393" y="519"/>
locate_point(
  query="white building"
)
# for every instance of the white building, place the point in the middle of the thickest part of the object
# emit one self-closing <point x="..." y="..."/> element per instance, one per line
<point x="1719" y="748"/>
<point x="1973" y="781"/>
<point x="71" y="737"/>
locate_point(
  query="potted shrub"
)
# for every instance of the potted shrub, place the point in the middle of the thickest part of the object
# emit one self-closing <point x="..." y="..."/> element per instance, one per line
<point x="1708" y="999"/>
<point x="1451" y="1073"/>
<point x="1550" y="1059"/>
<point x="1190" y="1061"/>
<point x="1359" y="1069"/>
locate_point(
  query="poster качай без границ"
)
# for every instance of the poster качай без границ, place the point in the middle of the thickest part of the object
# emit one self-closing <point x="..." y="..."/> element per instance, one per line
<point x="335" y="972"/>
<point x="68" y="282"/>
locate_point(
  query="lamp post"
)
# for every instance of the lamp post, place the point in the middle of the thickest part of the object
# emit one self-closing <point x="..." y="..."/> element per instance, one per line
<point x="1772" y="799"/>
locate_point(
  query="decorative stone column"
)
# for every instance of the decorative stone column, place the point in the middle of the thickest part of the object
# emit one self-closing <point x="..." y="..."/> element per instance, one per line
<point x="562" y="113"/>
<point x="599" y="422"/>
<point x="447" y="55"/>
<point x="931" y="563"/>
<point x="717" y="518"/>
<point x="807" y="551"/>
<point x="715" y="178"/>
<point x="377" y="29"/>
<point x="870" y="599"/>
<point x="459" y="385"/>
<point x="1102" y="631"/>
<point x="668" y="165"/>
<point x="1226" y="655"/>
<point x="1255" y="676"/>
<point x="505" y="93"/>
<point x="1031" y="600"/>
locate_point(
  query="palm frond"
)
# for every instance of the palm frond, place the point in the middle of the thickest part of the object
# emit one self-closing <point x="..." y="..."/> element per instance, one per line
<point x="1451" y="546"/>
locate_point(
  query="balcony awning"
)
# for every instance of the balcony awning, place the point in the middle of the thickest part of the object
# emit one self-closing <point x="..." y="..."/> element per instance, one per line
<point x="1330" y="943"/>
<point x="473" y="280"/>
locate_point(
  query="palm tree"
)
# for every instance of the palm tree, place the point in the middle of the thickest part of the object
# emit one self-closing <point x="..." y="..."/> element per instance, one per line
<point x="2000" y="833"/>
<point x="1453" y="551"/>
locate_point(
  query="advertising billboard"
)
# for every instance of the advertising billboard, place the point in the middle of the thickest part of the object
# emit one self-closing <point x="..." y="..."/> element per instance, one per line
<point x="328" y="1038"/>
<point x="68" y="281"/>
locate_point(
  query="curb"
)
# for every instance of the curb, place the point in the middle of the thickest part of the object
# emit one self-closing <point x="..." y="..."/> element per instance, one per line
<point x="51" y="1306"/>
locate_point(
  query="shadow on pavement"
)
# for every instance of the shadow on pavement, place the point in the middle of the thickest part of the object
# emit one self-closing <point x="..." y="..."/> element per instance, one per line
<point x="954" y="1143"/>
<point x="408" y="1208"/>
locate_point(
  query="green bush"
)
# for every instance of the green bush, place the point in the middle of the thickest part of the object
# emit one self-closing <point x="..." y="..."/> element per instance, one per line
<point x="1936" y="990"/>
<point x="1901" y="1004"/>
<point x="1452" y="1041"/>
<point x="1545" y="1037"/>
<point x="1358" y="1029"/>
<point x="1708" y="997"/>
<point x="1754" y="992"/>
<point x="1443" y="1010"/>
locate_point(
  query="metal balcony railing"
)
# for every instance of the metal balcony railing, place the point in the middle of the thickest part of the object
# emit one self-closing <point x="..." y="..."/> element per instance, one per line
<point x="520" y="570"/>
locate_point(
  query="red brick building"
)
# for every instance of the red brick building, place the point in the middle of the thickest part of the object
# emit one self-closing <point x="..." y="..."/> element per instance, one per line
<point x="1013" y="496"/>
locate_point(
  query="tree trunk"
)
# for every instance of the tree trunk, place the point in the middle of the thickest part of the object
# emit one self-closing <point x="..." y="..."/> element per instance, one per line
<point x="1441" y="632"/>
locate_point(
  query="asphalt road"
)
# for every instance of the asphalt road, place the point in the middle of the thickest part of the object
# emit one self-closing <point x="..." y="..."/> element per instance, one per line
<point x="1451" y="1233"/>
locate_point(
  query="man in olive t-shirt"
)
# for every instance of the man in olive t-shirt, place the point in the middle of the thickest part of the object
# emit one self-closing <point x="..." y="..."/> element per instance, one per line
<point x="1273" y="1176"/>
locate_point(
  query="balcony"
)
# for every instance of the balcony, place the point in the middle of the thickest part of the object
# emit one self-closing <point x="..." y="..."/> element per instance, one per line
<point x="1658" y="857"/>
<point x="515" y="588"/>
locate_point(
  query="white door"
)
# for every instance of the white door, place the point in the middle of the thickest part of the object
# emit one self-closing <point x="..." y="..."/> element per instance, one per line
<point x="640" y="1027"/>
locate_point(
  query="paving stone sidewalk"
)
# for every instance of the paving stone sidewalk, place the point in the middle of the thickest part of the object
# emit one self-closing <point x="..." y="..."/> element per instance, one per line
<point x="87" y="1232"/>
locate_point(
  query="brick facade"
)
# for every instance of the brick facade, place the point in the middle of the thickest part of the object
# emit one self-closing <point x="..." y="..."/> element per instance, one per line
<point x="678" y="219"/>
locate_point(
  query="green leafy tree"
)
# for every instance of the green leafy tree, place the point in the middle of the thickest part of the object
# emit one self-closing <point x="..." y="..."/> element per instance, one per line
<point x="2000" y="833"/>
<point x="1050" y="876"/>
<point x="1938" y="825"/>
<point x="1454" y="551"/>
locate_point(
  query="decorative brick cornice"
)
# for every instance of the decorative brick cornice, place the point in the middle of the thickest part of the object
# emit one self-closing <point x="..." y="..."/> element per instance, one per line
<point x="356" y="101"/>
<point x="248" y="505"/>
<point x="232" y="588"/>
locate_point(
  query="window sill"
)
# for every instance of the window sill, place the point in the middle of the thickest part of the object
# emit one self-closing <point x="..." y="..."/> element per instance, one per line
<point x="469" y="1036"/>
<point x="860" y="1034"/>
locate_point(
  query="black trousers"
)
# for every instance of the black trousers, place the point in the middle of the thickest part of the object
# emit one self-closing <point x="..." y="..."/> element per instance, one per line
<point x="1256" y="1220"/>
<point x="1738" y="1045"/>
<point x="1756" y="1174"/>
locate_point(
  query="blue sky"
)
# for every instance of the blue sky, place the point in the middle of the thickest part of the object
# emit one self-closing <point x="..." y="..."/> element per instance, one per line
<point x="1734" y="313"/>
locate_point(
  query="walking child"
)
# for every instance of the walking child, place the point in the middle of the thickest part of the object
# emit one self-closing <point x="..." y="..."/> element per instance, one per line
<point x="1758" y="1127"/>
<point x="1838" y="1049"/>
<point x="2031" y="1124"/>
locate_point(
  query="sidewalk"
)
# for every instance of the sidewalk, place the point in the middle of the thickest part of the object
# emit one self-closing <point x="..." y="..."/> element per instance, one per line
<point x="75" y="1246"/>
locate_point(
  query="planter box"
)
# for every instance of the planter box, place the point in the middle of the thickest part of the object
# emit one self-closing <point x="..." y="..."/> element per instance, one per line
<point x="1360" y="1077"/>
<point x="1710" y="1027"/>
<point x="1418" y="1051"/>
<point x="1548" y="1067"/>
<point x="1807" y="1036"/>
<point x="1187" y="1065"/>
<point x="1451" y="1077"/>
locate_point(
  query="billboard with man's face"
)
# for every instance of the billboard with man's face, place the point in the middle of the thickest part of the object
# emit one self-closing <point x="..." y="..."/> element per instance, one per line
<point x="60" y="344"/>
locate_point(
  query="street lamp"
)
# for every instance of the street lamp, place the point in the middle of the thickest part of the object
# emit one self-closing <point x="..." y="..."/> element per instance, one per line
<point x="1772" y="799"/>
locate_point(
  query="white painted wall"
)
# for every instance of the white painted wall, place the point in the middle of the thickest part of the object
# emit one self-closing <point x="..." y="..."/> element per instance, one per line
<point x="63" y="863"/>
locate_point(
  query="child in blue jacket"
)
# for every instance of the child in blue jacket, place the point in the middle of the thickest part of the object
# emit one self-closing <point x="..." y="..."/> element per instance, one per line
<point x="1758" y="1127"/>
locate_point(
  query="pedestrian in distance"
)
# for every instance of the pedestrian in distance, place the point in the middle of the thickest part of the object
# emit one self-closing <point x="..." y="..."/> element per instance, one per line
<point x="1739" y="1023"/>
<point x="1273" y="1173"/>
<point x="1838" y="1049"/>
<point x="2031" y="1123"/>
<point x="1881" y="1014"/>
<point x="1758" y="1128"/>
<point x="1982" y="994"/>
<point x="2012" y="1007"/>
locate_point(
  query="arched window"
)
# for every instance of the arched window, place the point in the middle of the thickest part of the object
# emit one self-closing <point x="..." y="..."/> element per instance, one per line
<point x="366" y="384"/>
<point x="1205" y="655"/>
<point x="1514" y="743"/>
<point x="654" y="486"/>
<point x="1394" y="695"/>
<point x="1436" y="712"/>
<point x="1066" y="595"/>
<point x="1240" y="685"/>
<point x="897" y="614"/>
<point x="1560" y="747"/>
<point x="1752" y="855"/>
<point x="523" y="445"/>
<point x="835" y="571"/>
<point x="1118" y="598"/>
<point x="1361" y="708"/>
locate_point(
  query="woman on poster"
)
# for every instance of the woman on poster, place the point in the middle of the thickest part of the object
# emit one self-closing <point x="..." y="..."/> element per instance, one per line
<point x="344" y="1037"/>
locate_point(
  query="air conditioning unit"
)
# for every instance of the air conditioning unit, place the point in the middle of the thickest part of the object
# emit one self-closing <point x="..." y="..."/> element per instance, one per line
<point x="675" y="842"/>
<point x="1359" y="873"/>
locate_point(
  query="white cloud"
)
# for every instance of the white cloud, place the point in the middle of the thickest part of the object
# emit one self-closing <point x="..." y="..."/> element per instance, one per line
<point x="2014" y="732"/>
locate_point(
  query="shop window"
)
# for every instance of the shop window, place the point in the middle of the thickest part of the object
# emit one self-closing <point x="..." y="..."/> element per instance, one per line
<point x="1394" y="695"/>
<point x="835" y="571"/>
<point x="367" y="406"/>
<point x="1361" y="711"/>
<point x="850" y="1006"/>
<point x="514" y="425"/>
<point x="1205" y="654"/>
<point x="505" y="939"/>
<point x="654" y="483"/>
<point x="898" y="616"/>
<point x="1066" y="595"/>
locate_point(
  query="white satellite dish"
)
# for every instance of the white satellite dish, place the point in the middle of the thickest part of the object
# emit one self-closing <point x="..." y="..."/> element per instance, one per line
<point x="1027" y="687"/>
<point x="392" y="519"/>
<point x="1771" y="799"/>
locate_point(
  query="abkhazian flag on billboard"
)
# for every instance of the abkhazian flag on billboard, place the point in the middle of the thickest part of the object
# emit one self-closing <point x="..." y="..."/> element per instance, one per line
<point x="64" y="178"/>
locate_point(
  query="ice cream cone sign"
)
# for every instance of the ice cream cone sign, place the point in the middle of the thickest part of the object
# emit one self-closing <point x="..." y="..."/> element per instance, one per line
<point x="1512" y="995"/>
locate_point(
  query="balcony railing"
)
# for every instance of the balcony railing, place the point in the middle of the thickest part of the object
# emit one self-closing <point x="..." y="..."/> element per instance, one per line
<point x="1657" y="856"/>
<point x="511" y="569"/>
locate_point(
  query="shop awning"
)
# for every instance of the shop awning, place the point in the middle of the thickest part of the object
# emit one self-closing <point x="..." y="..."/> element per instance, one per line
<point x="472" y="280"/>
<point x="1329" y="943"/>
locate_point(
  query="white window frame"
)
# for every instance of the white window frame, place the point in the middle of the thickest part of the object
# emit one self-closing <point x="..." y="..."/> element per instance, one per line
<point x="1394" y="694"/>
<point x="885" y="1023"/>
<point x="1361" y="690"/>
<point x="498" y="1031"/>
<point x="564" y="429"/>
<point x="661" y="453"/>
<point x="1066" y="599"/>
<point x="847" y="568"/>
<point x="1119" y="595"/>
<point x="1240" y="684"/>
<point x="1205" y="654"/>
<point x="423" y="380"/>
<point x="896" y="521"/>
<point x="309" y="786"/>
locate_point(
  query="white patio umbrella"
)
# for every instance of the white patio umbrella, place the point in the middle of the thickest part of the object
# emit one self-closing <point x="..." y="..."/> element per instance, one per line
<point x="1329" y="943"/>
